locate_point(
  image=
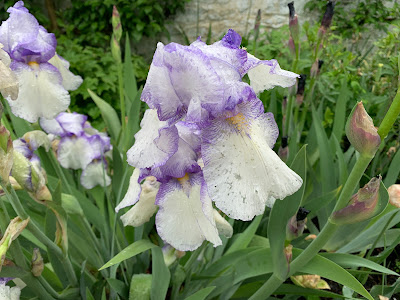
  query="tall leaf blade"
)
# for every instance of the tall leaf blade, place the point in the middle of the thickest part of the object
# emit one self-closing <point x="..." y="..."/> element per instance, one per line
<point x="109" y="115"/>
<point x="161" y="275"/>
<point x="128" y="252"/>
<point x="281" y="212"/>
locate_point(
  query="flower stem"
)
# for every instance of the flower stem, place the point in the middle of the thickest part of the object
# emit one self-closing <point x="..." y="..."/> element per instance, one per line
<point x="121" y="95"/>
<point x="390" y="117"/>
<point x="329" y="229"/>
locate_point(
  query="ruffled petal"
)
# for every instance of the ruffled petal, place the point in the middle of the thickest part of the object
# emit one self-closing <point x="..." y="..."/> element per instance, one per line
<point x="19" y="29"/>
<point x="183" y="219"/>
<point x="75" y="152"/>
<point x="71" y="122"/>
<point x="40" y="92"/>
<point x="70" y="81"/>
<point x="95" y="174"/>
<point x="266" y="74"/>
<point x="133" y="193"/>
<point x="242" y="172"/>
<point x="8" y="80"/>
<point x="154" y="144"/>
<point x="158" y="91"/>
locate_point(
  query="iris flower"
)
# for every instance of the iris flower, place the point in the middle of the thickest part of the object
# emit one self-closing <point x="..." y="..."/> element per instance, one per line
<point x="202" y="111"/>
<point x="43" y="78"/>
<point x="80" y="147"/>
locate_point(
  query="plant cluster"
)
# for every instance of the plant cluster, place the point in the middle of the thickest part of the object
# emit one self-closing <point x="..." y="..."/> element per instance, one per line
<point x="214" y="212"/>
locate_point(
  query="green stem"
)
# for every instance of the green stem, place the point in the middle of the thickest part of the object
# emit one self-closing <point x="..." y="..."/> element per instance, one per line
<point x="34" y="229"/>
<point x="329" y="229"/>
<point x="289" y="108"/>
<point x="390" y="117"/>
<point x="121" y="96"/>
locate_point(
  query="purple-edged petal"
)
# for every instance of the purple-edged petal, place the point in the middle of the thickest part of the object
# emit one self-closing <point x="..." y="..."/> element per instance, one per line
<point x="71" y="122"/>
<point x="51" y="126"/>
<point x="242" y="172"/>
<point x="19" y="29"/>
<point x="40" y="92"/>
<point x="75" y="152"/>
<point x="95" y="174"/>
<point x="39" y="50"/>
<point x="159" y="92"/>
<point x="70" y="81"/>
<point x="185" y="219"/>
<point x="266" y="74"/>
<point x="194" y="78"/>
<point x="183" y="161"/>
<point x="154" y="144"/>
<point x="133" y="193"/>
<point x="36" y="139"/>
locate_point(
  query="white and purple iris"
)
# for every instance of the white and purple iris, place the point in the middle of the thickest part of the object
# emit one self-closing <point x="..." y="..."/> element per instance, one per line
<point x="80" y="147"/>
<point x="43" y="76"/>
<point x="202" y="111"/>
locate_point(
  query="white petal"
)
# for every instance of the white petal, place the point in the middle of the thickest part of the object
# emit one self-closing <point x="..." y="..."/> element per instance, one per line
<point x="70" y="81"/>
<point x="40" y="92"/>
<point x="223" y="225"/>
<point x="95" y="174"/>
<point x="267" y="74"/>
<point x="243" y="173"/>
<point x="154" y="144"/>
<point x="8" y="81"/>
<point x="74" y="152"/>
<point x="181" y="221"/>
<point x="143" y="210"/>
<point x="133" y="193"/>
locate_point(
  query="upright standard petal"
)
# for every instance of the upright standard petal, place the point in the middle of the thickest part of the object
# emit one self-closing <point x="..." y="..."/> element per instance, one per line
<point x="266" y="74"/>
<point x="19" y="29"/>
<point x="185" y="219"/>
<point x="69" y="81"/>
<point x="51" y="126"/>
<point x="40" y="92"/>
<point x="155" y="142"/>
<point x="242" y="172"/>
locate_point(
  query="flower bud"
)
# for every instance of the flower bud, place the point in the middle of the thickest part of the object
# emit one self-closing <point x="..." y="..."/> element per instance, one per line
<point x="300" y="89"/>
<point x="223" y="226"/>
<point x="116" y="24"/>
<point x="316" y="67"/>
<point x="296" y="224"/>
<point x="326" y="19"/>
<point x="288" y="253"/>
<point x="362" y="205"/>
<point x="310" y="281"/>
<point x="115" y="49"/>
<point x="13" y="230"/>
<point x="257" y="25"/>
<point x="361" y="132"/>
<point x="394" y="195"/>
<point x="6" y="154"/>
<point x="293" y="24"/>
<point x="37" y="265"/>
<point x="283" y="151"/>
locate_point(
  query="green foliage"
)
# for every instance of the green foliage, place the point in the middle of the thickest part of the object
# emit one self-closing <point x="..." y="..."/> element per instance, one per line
<point x="89" y="21"/>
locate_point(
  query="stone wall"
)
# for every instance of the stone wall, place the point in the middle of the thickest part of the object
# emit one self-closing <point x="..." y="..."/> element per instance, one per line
<point x="224" y="14"/>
